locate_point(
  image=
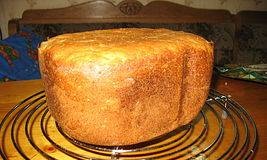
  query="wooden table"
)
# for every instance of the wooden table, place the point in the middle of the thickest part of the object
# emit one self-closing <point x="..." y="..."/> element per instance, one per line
<point x="252" y="96"/>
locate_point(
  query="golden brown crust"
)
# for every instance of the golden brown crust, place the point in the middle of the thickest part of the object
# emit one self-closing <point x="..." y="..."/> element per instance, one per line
<point x="124" y="86"/>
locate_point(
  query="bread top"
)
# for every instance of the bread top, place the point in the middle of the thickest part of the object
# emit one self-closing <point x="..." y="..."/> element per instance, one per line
<point x="108" y="47"/>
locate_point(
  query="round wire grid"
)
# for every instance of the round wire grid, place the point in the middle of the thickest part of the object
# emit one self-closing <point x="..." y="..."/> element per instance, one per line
<point x="222" y="130"/>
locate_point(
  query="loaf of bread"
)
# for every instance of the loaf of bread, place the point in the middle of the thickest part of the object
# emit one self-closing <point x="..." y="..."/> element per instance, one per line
<point x="125" y="86"/>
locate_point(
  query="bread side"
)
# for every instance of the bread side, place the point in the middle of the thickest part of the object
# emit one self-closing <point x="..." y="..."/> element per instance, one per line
<point x="106" y="88"/>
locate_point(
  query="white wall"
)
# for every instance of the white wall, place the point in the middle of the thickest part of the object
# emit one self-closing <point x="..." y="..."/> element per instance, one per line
<point x="14" y="8"/>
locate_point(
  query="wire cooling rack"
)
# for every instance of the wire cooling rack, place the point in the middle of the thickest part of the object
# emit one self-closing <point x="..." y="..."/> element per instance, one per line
<point x="222" y="130"/>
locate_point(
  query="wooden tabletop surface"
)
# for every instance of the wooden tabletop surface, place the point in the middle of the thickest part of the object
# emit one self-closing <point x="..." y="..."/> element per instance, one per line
<point x="252" y="96"/>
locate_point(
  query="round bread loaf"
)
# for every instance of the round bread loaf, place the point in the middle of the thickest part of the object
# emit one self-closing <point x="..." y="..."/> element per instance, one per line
<point x="125" y="86"/>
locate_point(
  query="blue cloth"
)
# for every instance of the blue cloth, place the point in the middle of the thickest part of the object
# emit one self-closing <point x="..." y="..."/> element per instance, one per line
<point x="19" y="56"/>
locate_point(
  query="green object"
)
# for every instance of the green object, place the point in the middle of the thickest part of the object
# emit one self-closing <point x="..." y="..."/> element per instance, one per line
<point x="256" y="73"/>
